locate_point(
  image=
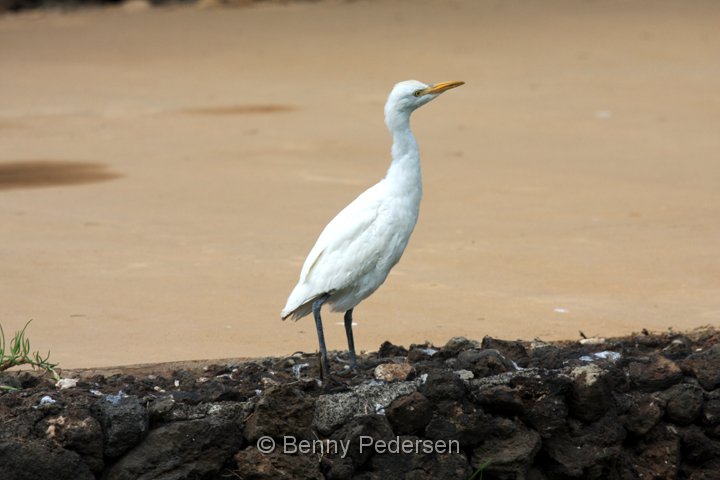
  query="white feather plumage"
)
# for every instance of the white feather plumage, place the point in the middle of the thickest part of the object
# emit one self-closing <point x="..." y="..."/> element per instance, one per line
<point x="357" y="249"/>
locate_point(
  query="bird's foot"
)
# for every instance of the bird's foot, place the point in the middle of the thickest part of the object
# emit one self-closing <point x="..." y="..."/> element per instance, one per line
<point x="351" y="363"/>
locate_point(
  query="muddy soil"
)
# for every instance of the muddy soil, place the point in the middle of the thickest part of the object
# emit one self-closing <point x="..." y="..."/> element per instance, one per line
<point x="641" y="406"/>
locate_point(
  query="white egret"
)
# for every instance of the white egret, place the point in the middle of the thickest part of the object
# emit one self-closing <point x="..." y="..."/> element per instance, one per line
<point x="356" y="250"/>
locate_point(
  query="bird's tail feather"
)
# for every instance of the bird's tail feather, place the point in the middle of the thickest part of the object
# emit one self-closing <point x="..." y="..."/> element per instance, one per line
<point x="301" y="310"/>
<point x="305" y="308"/>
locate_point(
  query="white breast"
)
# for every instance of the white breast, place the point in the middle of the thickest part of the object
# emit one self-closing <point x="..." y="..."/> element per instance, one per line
<point x="358" y="248"/>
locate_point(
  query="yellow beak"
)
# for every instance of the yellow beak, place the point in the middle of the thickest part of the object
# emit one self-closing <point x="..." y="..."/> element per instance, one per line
<point x="441" y="87"/>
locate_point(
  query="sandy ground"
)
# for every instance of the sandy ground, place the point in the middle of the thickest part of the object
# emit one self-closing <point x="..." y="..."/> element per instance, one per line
<point x="164" y="173"/>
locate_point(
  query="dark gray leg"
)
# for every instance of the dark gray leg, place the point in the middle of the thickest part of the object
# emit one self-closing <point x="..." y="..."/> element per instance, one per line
<point x="351" y="342"/>
<point x="324" y="363"/>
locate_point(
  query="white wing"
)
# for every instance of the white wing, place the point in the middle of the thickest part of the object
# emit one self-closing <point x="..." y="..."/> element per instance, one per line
<point x="342" y="253"/>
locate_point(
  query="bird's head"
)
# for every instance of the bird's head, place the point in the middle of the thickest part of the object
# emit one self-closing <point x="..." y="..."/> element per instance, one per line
<point x="409" y="95"/>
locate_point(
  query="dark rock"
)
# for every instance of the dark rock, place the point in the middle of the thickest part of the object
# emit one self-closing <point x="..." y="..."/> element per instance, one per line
<point x="683" y="403"/>
<point x="462" y="422"/>
<point x="500" y="399"/>
<point x="661" y="432"/>
<point x="535" y="473"/>
<point x="10" y="380"/>
<point x="713" y="431"/>
<point x="214" y="391"/>
<point x="181" y="451"/>
<point x="396" y="464"/>
<point x="508" y="458"/>
<point x="697" y="447"/>
<point x="361" y="434"/>
<point x="183" y="379"/>
<point x="711" y="409"/>
<point x="159" y="408"/>
<point x="623" y="401"/>
<point x="658" y="459"/>
<point x="30" y="379"/>
<point x="543" y="395"/>
<point x="708" y="471"/>
<point x="512" y="350"/>
<point x="420" y="353"/>
<point x="78" y="431"/>
<point x="253" y="465"/>
<point x="29" y="460"/>
<point x="466" y="423"/>
<point x="439" y="465"/>
<point x="441" y="385"/>
<point x="549" y="356"/>
<point x="705" y="366"/>
<point x="658" y="373"/>
<point x="585" y="451"/>
<point x="591" y="393"/>
<point x="547" y="415"/>
<point x="296" y="419"/>
<point x="388" y="350"/>
<point x="456" y="345"/>
<point x="409" y="414"/>
<point x="417" y="467"/>
<point x="337" y="468"/>
<point x="483" y="363"/>
<point x="679" y="348"/>
<point x="644" y="413"/>
<point x="124" y="422"/>
<point x="188" y="398"/>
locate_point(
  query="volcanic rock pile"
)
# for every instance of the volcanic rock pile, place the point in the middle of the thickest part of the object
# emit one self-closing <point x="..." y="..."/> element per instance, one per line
<point x="643" y="406"/>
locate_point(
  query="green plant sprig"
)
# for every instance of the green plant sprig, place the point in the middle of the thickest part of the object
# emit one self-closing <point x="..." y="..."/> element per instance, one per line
<point x="17" y="352"/>
<point x="480" y="471"/>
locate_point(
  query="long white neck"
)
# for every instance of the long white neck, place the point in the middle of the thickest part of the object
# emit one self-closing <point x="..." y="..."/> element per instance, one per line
<point x="404" y="172"/>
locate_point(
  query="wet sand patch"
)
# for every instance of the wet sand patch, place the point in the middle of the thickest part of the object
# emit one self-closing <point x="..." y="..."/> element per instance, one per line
<point x="51" y="173"/>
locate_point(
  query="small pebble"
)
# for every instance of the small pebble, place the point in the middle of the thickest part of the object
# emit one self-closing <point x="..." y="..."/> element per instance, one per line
<point x="64" y="383"/>
<point x="390" y="372"/>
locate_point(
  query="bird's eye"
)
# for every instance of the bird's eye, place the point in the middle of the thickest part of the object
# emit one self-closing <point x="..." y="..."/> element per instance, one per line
<point x="417" y="92"/>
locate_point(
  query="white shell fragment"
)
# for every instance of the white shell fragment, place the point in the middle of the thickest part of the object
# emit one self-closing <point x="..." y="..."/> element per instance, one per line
<point x="64" y="383"/>
<point x="604" y="355"/>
